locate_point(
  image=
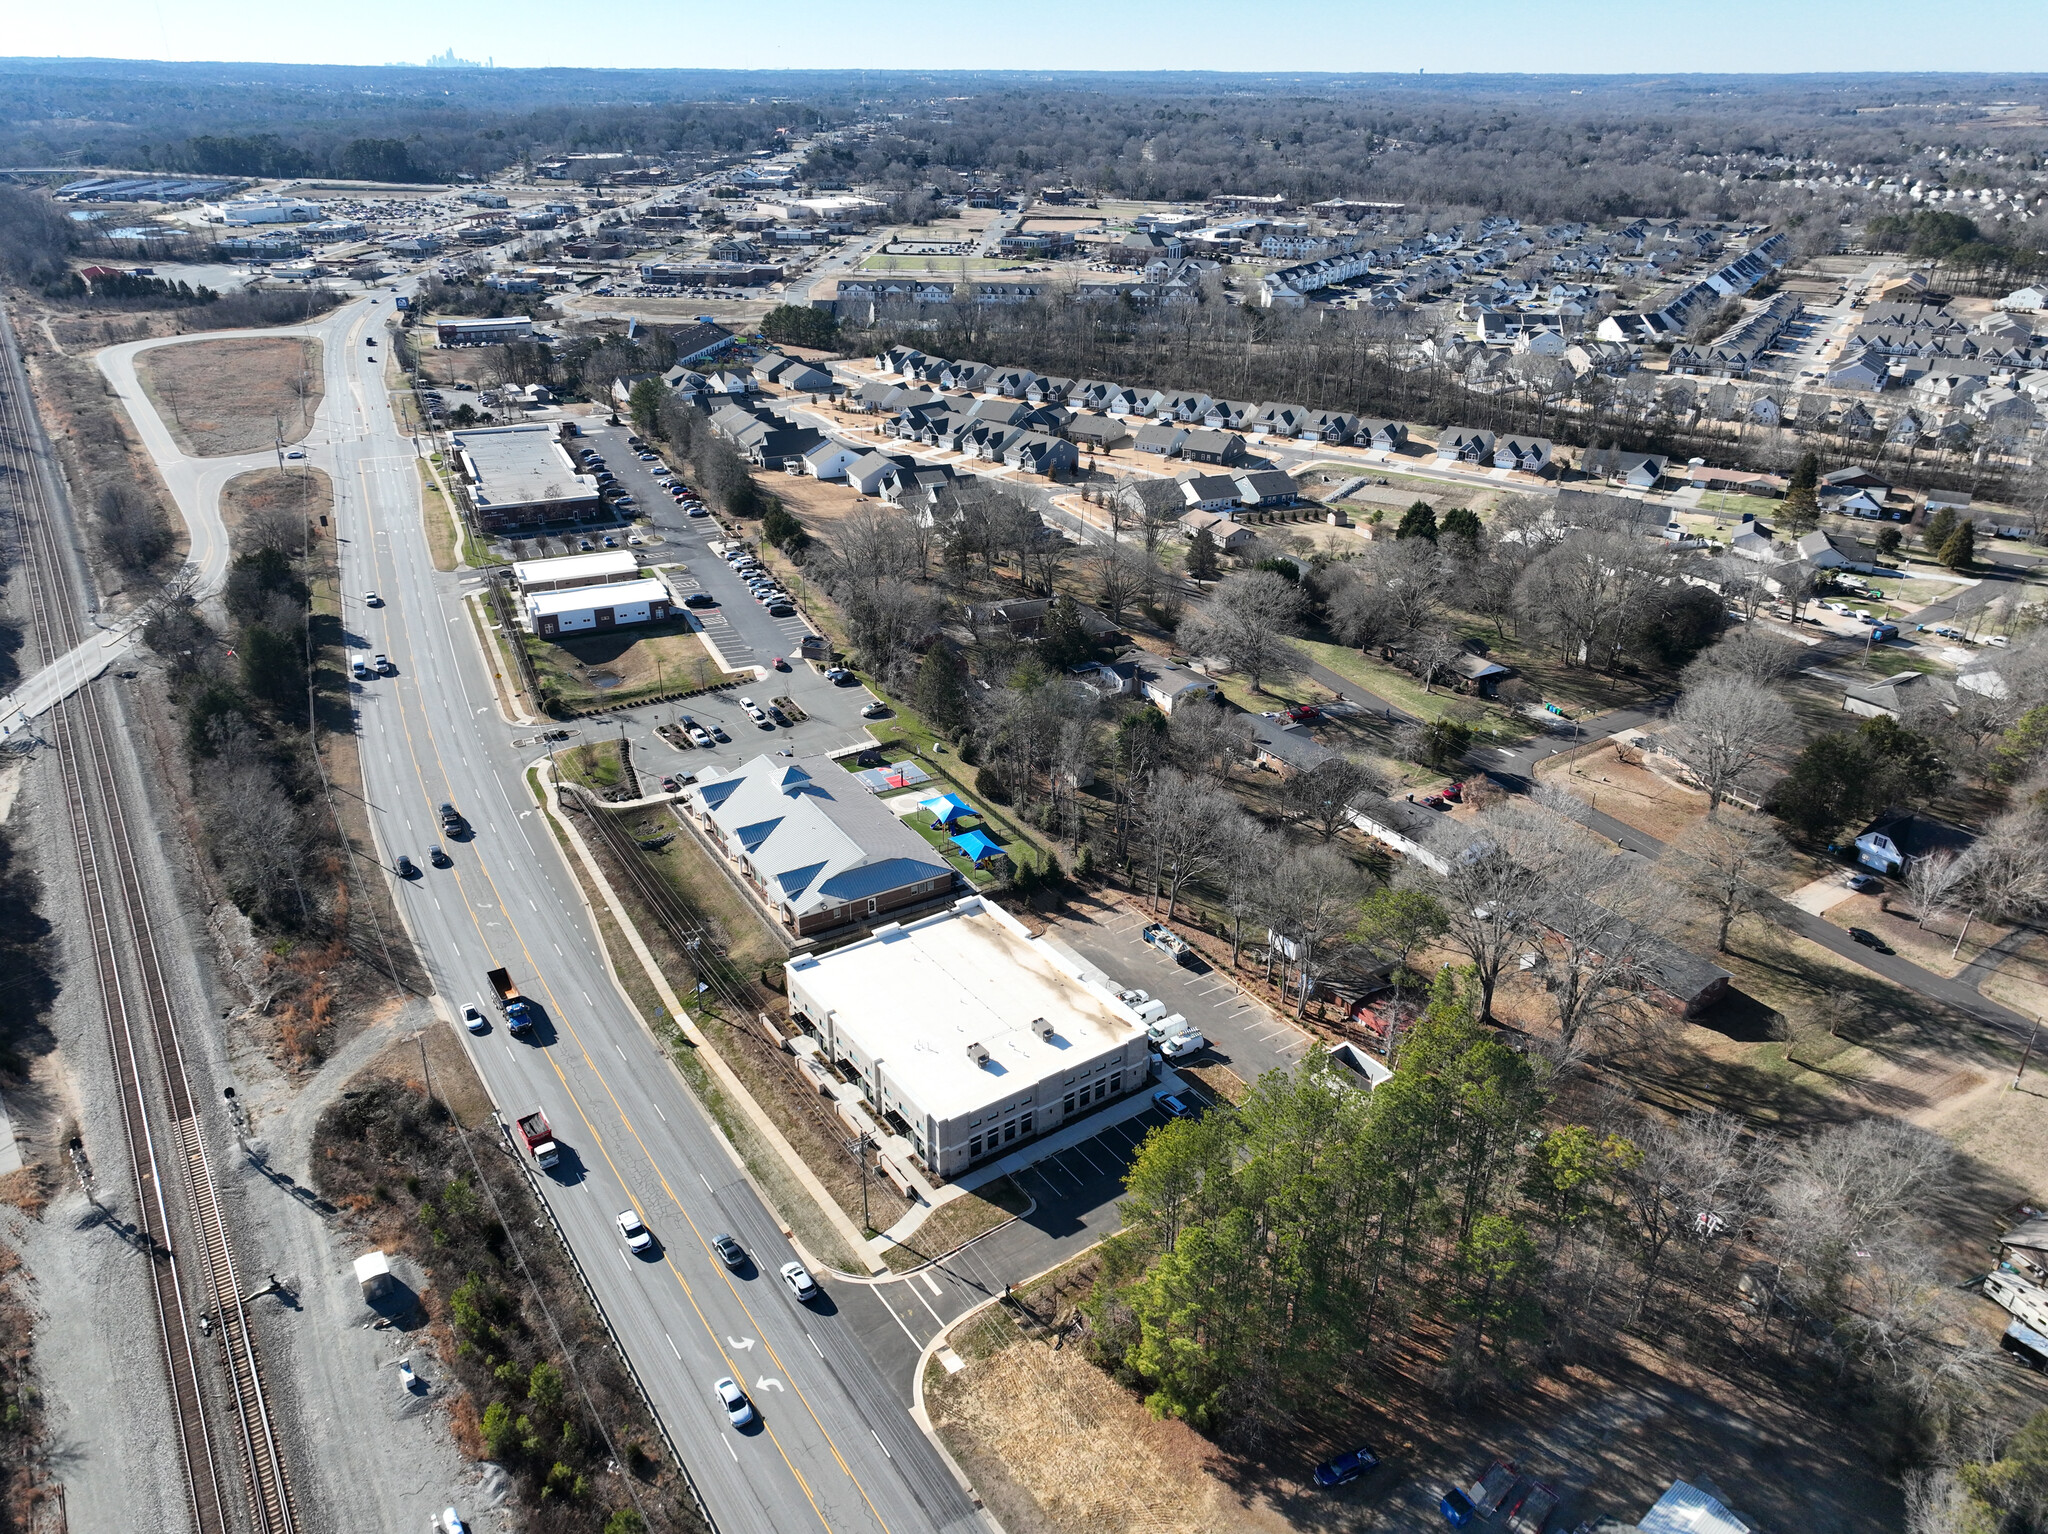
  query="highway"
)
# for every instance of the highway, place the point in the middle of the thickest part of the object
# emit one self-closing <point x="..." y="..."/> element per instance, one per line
<point x="835" y="1447"/>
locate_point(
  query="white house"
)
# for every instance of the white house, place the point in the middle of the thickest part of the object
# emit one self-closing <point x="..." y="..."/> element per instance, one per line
<point x="1167" y="686"/>
<point x="831" y="460"/>
<point x="2025" y="300"/>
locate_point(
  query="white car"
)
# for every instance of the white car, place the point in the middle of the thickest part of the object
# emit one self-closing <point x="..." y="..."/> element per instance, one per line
<point x="637" y="1235"/>
<point x="699" y="736"/>
<point x="800" y="1282"/>
<point x="875" y="710"/>
<point x="739" y="1411"/>
<point x="371" y="599"/>
<point x="753" y="711"/>
<point x="383" y="665"/>
<point x="472" y="1019"/>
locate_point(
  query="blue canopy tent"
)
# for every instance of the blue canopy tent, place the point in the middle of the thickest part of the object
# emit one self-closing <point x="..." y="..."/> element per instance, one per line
<point x="976" y="846"/>
<point x="945" y="809"/>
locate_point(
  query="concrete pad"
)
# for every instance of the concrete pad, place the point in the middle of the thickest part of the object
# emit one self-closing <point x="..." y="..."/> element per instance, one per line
<point x="1821" y="896"/>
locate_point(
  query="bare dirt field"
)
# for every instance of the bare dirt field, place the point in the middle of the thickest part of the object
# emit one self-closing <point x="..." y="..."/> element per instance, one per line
<point x="220" y="398"/>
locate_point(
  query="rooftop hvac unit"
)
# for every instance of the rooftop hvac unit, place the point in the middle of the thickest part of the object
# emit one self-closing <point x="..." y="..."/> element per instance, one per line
<point x="1042" y="1027"/>
<point x="978" y="1054"/>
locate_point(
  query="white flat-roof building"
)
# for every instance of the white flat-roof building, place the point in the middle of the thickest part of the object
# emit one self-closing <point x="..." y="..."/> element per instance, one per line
<point x="599" y="607"/>
<point x="464" y="331"/>
<point x="522" y="474"/>
<point x="973" y="1033"/>
<point x="602" y="568"/>
<point x="263" y="210"/>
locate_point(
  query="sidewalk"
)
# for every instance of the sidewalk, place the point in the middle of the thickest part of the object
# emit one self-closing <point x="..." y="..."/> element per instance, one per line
<point x="1068" y="1135"/>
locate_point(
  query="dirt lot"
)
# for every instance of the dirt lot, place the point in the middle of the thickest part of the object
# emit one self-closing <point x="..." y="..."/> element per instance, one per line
<point x="220" y="398"/>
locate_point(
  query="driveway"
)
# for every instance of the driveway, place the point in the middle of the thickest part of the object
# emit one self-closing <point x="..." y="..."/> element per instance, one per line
<point x="1242" y="1033"/>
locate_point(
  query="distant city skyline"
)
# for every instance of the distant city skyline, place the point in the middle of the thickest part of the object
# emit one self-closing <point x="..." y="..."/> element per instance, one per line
<point x="1478" y="36"/>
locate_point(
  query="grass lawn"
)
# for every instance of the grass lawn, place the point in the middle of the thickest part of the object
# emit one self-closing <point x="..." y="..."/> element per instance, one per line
<point x="921" y="823"/>
<point x="1755" y="505"/>
<point x="958" y="1221"/>
<point x="1497" y="727"/>
<point x="595" y="765"/>
<point x="443" y="539"/>
<point x="1885" y="661"/>
<point x="619" y="667"/>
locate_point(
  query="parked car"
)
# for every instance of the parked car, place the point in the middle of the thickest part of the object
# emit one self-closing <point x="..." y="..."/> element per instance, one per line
<point x="700" y="599"/>
<point x="1869" y="939"/>
<point x="753" y="711"/>
<point x="800" y="1282"/>
<point x="1346" y="1467"/>
<point x="699" y="736"/>
<point x="1173" y="1104"/>
<point x="699" y="511"/>
<point x="875" y="710"/>
<point x="1865" y="884"/>
<point x="1182" y="1044"/>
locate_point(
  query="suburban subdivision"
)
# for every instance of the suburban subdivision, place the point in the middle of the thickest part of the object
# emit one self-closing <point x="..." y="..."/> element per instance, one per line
<point x="741" y="799"/>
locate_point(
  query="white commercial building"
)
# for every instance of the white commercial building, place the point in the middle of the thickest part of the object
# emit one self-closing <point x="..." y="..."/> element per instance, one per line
<point x="972" y="1033"/>
<point x="522" y="474"/>
<point x="599" y="607"/>
<point x="263" y="210"/>
<point x="602" y="568"/>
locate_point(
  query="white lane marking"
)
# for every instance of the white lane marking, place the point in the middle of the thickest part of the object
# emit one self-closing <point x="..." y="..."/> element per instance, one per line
<point x="914" y="1339"/>
<point x="659" y="1114"/>
<point x="665" y="1337"/>
<point x="728" y="1449"/>
<point x="884" y="1447"/>
<point x="707" y="1183"/>
<point x="620" y="1048"/>
<point x="814" y="1344"/>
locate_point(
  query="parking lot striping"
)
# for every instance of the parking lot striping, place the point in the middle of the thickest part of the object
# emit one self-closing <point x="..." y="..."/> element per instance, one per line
<point x="1086" y="1157"/>
<point x="927" y="1277"/>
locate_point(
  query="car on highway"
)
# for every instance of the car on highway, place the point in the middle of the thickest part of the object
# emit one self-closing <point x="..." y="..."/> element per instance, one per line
<point x="1173" y="1104"/>
<point x="407" y="868"/>
<point x="295" y="453"/>
<point x="371" y="599"/>
<point x="739" y="1411"/>
<point x="800" y="1282"/>
<point x="753" y="711"/>
<point x="638" y="1237"/>
<point x="472" y="1019"/>
<point x="360" y="670"/>
<point x="382" y="664"/>
<point x="875" y="710"/>
<point x="1346" y="1467"/>
<point x="730" y="1252"/>
<point x="700" y="599"/>
<point x="440" y="859"/>
<point x="1869" y="939"/>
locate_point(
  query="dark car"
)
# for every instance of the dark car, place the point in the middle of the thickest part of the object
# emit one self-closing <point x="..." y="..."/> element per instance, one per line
<point x="440" y="859"/>
<point x="1346" y="1467"/>
<point x="1870" y="940"/>
<point x="700" y="599"/>
<point x="781" y="610"/>
<point x="730" y="1252"/>
<point x="407" y="868"/>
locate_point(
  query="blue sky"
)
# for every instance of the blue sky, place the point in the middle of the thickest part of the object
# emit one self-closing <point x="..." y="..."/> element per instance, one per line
<point x="1480" y="36"/>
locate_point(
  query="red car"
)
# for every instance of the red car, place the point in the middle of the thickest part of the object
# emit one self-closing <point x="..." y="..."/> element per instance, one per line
<point x="1304" y="713"/>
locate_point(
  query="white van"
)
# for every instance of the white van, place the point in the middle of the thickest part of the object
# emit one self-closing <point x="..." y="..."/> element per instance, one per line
<point x="1168" y="1027"/>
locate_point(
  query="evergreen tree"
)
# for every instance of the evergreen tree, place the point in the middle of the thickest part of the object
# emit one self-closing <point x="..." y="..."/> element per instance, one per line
<point x="940" y="696"/>
<point x="1888" y="541"/>
<point x="1203" y="565"/>
<point x="1418" y="521"/>
<point x="1462" y="524"/>
<point x="1063" y="642"/>
<point x="801" y="325"/>
<point x="1940" y="528"/>
<point x="1805" y="475"/>
<point x="1959" y="549"/>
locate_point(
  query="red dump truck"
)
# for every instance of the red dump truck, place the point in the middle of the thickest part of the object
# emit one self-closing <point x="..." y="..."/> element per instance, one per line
<point x="518" y="1014"/>
<point x="533" y="1129"/>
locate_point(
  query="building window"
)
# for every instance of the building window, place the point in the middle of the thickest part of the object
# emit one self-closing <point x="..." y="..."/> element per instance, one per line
<point x="974" y="1147"/>
<point x="1101" y="1090"/>
<point x="1009" y="1133"/>
<point x="1116" y="1083"/>
<point x="1068" y="1106"/>
<point x="1025" y="1125"/>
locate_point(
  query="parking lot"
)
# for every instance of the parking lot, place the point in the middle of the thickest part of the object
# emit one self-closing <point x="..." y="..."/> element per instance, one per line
<point x="1242" y="1034"/>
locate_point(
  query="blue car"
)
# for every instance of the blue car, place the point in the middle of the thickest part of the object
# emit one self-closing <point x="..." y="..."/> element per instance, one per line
<point x="1346" y="1467"/>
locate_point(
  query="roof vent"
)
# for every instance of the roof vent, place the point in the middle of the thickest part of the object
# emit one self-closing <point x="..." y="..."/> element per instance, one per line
<point x="978" y="1054"/>
<point x="1041" y="1027"/>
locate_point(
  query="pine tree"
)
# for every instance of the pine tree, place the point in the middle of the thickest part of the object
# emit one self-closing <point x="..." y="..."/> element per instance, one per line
<point x="1418" y="521"/>
<point x="1203" y="564"/>
<point x="941" y="698"/>
<point x="1940" y="528"/>
<point x="1959" y="549"/>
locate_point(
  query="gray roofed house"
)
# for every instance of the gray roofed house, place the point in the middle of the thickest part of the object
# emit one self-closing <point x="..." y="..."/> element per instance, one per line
<point x="1208" y="492"/>
<point x="1461" y="444"/>
<point x="1382" y="434"/>
<point x="813" y="845"/>
<point x="1162" y="439"/>
<point x="1267" y="487"/>
<point x="1150" y="499"/>
<point x="1287" y="748"/>
<point x="1101" y="432"/>
<point x="1225" y="447"/>
<point x="1898" y="695"/>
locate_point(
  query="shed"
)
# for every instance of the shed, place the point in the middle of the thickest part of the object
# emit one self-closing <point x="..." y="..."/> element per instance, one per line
<point x="373" y="1272"/>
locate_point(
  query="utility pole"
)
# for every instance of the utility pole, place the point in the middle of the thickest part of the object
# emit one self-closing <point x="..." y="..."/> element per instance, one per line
<point x="2034" y="1034"/>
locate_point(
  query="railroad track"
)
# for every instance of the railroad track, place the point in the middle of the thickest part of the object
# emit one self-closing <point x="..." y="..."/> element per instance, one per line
<point x="197" y="1295"/>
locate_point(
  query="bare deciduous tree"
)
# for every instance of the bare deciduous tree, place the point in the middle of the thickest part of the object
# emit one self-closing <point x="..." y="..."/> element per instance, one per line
<point x="1728" y="727"/>
<point x="1321" y="797"/>
<point x="1185" y="822"/>
<point x="1721" y="863"/>
<point x="1931" y="881"/>
<point x="1247" y="620"/>
<point x="1315" y="904"/>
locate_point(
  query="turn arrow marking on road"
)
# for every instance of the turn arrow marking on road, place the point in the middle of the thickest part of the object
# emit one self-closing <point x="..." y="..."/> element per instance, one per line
<point x="742" y="1343"/>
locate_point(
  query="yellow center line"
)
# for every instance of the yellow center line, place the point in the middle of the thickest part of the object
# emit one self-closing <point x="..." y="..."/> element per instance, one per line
<point x="561" y="1014"/>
